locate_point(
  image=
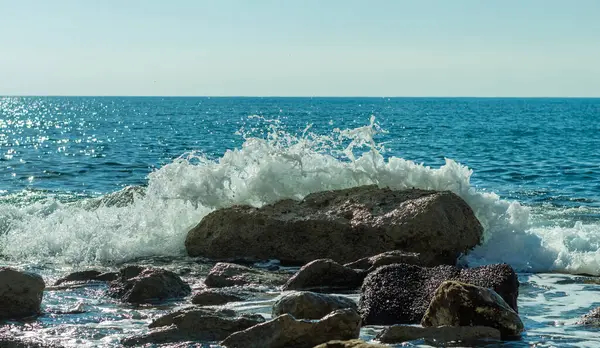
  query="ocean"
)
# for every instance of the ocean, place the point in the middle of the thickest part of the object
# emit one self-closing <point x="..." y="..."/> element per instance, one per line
<point x="529" y="168"/>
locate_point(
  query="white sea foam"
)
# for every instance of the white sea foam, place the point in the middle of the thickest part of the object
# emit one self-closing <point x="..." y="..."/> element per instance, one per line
<point x="264" y="170"/>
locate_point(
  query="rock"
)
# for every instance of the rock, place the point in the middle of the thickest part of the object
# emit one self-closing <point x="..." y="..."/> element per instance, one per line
<point x="350" y="344"/>
<point x="229" y="274"/>
<point x="310" y="305"/>
<point x="287" y="332"/>
<point x="341" y="225"/>
<point x="137" y="285"/>
<point x="401" y="333"/>
<point x="400" y="293"/>
<point x="389" y="258"/>
<point x="20" y="293"/>
<point x="592" y="318"/>
<point x="194" y="325"/>
<point x="217" y="297"/>
<point x="86" y="276"/>
<point x="13" y="342"/>
<point x="325" y="275"/>
<point x="460" y="304"/>
<point x="121" y="198"/>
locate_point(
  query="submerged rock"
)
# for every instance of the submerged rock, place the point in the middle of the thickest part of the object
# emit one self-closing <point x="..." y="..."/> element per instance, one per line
<point x="85" y="276"/>
<point x="401" y="293"/>
<point x="443" y="334"/>
<point x="121" y="198"/>
<point x="194" y="325"/>
<point x="459" y="304"/>
<point x="342" y="225"/>
<point x="350" y="344"/>
<point x="13" y="342"/>
<point x="219" y="296"/>
<point x="592" y="318"/>
<point x="389" y="258"/>
<point x="229" y="274"/>
<point x="287" y="332"/>
<point x="310" y="305"/>
<point x="20" y="293"/>
<point x="144" y="285"/>
<point x="325" y="275"/>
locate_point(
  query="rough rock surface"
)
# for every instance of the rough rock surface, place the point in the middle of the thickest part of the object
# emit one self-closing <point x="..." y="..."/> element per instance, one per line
<point x="325" y="275"/>
<point x="8" y="341"/>
<point x="389" y="258"/>
<point x="460" y="304"/>
<point x="342" y="225"/>
<point x="592" y="318"/>
<point x="89" y="275"/>
<point x="401" y="333"/>
<point x="121" y="198"/>
<point x="229" y="274"/>
<point x="219" y="296"/>
<point x="194" y="325"/>
<point x="287" y="332"/>
<point x="20" y="293"/>
<point x="146" y="285"/>
<point x="350" y="344"/>
<point x="400" y="293"/>
<point x="310" y="305"/>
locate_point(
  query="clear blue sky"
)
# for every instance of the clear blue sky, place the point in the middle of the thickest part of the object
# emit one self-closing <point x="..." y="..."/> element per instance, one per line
<point x="301" y="47"/>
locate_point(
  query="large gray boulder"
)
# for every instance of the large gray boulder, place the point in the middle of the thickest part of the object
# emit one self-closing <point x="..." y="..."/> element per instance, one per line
<point x="147" y="285"/>
<point x="310" y="305"/>
<point x="441" y="335"/>
<point x="342" y="225"/>
<point x="401" y="293"/>
<point x="325" y="275"/>
<point x="287" y="332"/>
<point x="20" y="293"/>
<point x="460" y="304"/>
<point x="194" y="325"/>
<point x="229" y="274"/>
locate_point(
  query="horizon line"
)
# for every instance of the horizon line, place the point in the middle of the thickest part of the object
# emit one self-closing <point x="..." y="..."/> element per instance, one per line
<point x="283" y="96"/>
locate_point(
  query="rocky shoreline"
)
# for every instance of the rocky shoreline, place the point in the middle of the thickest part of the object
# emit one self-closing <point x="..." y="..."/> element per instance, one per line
<point x="396" y="249"/>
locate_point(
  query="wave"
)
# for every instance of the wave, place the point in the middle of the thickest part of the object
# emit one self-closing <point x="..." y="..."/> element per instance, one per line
<point x="266" y="169"/>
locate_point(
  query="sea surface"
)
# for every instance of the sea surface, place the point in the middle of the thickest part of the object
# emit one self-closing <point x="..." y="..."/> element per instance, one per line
<point x="529" y="168"/>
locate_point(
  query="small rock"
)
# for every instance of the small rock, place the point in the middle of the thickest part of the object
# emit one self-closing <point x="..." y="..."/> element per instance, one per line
<point x="350" y="344"/>
<point x="592" y="318"/>
<point x="287" y="332"/>
<point x="401" y="333"/>
<point x="310" y="305"/>
<point x="13" y="342"/>
<point x="400" y="293"/>
<point x="78" y="277"/>
<point x="20" y="293"/>
<point x="218" y="296"/>
<point x="325" y="275"/>
<point x="459" y="304"/>
<point x="391" y="257"/>
<point x="137" y="285"/>
<point x="194" y="325"/>
<point x="229" y="274"/>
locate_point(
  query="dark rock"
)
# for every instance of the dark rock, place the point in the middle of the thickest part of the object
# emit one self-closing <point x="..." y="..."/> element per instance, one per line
<point x="400" y="293"/>
<point x="310" y="305"/>
<point x="148" y="285"/>
<point x="219" y="296"/>
<point x="78" y="277"/>
<point x="7" y="341"/>
<point x="460" y="304"/>
<point x="107" y="277"/>
<point x="229" y="274"/>
<point x="287" y="332"/>
<point x="194" y="325"/>
<point x="592" y="318"/>
<point x="20" y="293"/>
<point x="401" y="333"/>
<point x="389" y="258"/>
<point x="350" y="344"/>
<point x="325" y="275"/>
<point x="342" y="225"/>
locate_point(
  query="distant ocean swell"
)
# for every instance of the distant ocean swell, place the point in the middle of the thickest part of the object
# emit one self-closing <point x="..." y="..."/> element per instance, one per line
<point x="276" y="166"/>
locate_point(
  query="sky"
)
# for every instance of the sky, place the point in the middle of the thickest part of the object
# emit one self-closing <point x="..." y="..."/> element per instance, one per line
<point x="493" y="48"/>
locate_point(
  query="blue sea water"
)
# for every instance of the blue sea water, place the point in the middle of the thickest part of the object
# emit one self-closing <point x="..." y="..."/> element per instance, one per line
<point x="530" y="169"/>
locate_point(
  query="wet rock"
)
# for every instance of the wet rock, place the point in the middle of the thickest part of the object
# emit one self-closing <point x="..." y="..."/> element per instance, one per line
<point x="400" y="293"/>
<point x="194" y="325"/>
<point x="20" y="293"/>
<point x="460" y="304"/>
<point x="219" y="296"/>
<point x="146" y="285"/>
<point x="229" y="274"/>
<point x="401" y="333"/>
<point x="592" y="318"/>
<point x="287" y="332"/>
<point x="7" y="341"/>
<point x="78" y="277"/>
<point x="121" y="198"/>
<point x="389" y="258"/>
<point x="325" y="275"/>
<point x="341" y="225"/>
<point x="310" y="305"/>
<point x="350" y="344"/>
